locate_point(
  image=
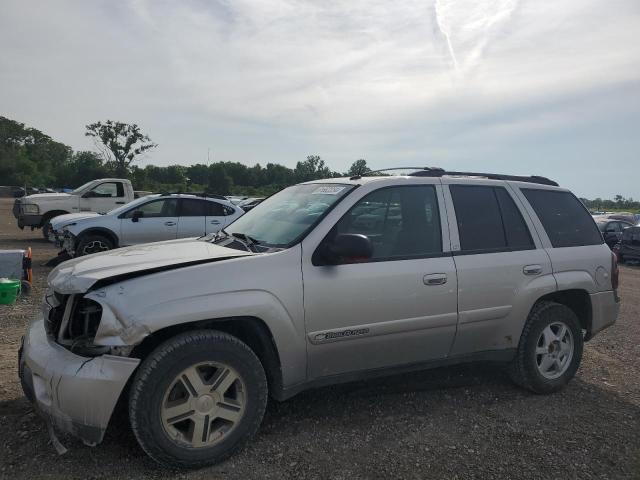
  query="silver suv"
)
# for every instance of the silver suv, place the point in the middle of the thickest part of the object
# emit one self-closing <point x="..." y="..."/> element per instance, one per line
<point x="324" y="282"/>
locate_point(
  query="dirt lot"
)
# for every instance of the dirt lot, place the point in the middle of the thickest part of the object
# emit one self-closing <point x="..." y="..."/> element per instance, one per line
<point x="462" y="422"/>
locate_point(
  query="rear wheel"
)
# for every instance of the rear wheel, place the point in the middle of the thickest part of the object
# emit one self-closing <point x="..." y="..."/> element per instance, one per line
<point x="550" y="349"/>
<point x="93" y="244"/>
<point x="197" y="398"/>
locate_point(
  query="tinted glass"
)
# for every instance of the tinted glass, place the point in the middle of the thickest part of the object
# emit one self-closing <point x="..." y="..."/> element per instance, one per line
<point x="516" y="229"/>
<point x="478" y="217"/>
<point x="400" y="222"/>
<point x="215" y="209"/>
<point x="193" y="208"/>
<point x="157" y="208"/>
<point x="564" y="218"/>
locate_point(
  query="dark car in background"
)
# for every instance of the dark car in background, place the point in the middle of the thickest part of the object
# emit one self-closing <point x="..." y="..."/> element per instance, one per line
<point x="612" y="230"/>
<point x="628" y="249"/>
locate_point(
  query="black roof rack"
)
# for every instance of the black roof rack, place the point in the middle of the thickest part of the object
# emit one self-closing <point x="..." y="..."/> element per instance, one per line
<point x="197" y="194"/>
<point x="440" y="172"/>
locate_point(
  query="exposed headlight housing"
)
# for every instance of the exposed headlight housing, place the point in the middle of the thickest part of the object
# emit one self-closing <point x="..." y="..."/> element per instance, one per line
<point x="30" y="209"/>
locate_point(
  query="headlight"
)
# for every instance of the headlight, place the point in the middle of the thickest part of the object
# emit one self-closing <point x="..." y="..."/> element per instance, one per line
<point x="30" y="208"/>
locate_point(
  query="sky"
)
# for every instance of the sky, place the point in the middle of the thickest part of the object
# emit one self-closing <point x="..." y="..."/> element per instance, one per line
<point x="525" y="87"/>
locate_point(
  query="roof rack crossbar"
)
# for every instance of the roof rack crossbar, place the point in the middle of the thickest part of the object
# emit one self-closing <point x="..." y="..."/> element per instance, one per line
<point x="439" y="172"/>
<point x="356" y="177"/>
<point x="196" y="194"/>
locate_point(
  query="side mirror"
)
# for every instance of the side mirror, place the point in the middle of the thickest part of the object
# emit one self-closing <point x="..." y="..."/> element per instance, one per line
<point x="89" y="194"/>
<point x="137" y="215"/>
<point x="348" y="247"/>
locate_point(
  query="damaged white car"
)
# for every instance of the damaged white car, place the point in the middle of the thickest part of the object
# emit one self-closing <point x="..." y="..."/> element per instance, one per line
<point x="324" y="282"/>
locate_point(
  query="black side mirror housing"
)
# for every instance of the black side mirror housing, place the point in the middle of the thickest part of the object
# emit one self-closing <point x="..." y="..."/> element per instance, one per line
<point x="347" y="248"/>
<point x="89" y="194"/>
<point x="137" y="215"/>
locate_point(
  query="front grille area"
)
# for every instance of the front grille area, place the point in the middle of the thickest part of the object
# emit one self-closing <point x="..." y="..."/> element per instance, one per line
<point x="55" y="304"/>
<point x="72" y="321"/>
<point x="84" y="320"/>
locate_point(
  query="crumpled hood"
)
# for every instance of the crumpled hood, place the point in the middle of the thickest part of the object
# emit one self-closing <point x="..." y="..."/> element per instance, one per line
<point x="61" y="220"/>
<point x="45" y="196"/>
<point x="80" y="274"/>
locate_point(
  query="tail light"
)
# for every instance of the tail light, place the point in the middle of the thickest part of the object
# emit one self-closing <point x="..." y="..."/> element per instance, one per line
<point x="615" y="273"/>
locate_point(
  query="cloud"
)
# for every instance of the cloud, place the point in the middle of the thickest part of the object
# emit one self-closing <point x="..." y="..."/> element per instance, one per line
<point x="274" y="80"/>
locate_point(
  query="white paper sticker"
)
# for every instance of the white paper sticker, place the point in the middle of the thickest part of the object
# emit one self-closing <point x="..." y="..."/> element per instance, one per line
<point x="327" y="190"/>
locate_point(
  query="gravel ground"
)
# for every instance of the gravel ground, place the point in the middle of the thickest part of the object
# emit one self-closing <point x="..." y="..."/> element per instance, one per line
<point x="460" y="422"/>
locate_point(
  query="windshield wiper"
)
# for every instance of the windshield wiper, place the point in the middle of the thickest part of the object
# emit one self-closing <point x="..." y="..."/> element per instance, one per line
<point x="246" y="239"/>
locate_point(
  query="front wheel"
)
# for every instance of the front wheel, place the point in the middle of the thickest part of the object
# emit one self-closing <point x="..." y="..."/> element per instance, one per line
<point x="197" y="398"/>
<point x="93" y="244"/>
<point x="550" y="349"/>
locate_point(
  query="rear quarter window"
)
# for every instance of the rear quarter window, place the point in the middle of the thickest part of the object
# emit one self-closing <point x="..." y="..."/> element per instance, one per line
<point x="564" y="218"/>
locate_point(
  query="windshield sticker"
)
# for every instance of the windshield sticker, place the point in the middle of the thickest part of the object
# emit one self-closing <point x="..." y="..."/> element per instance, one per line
<point x="328" y="190"/>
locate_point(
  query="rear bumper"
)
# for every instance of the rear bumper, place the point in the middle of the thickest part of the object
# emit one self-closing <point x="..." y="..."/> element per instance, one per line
<point x="604" y="309"/>
<point x="77" y="394"/>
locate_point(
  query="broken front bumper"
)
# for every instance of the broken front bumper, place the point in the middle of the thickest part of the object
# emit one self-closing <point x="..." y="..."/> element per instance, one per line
<point x="77" y="394"/>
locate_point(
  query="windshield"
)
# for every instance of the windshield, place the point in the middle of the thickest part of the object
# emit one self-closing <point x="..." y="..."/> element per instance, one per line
<point x="283" y="218"/>
<point x="81" y="188"/>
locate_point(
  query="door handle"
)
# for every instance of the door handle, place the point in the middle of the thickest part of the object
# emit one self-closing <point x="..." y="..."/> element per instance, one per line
<point x="119" y="203"/>
<point x="532" y="269"/>
<point x="170" y="224"/>
<point x="435" y="279"/>
<point x="214" y="222"/>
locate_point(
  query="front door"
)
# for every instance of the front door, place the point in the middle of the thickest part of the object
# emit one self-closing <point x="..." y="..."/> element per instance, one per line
<point x="399" y="307"/>
<point x="155" y="221"/>
<point x="103" y="197"/>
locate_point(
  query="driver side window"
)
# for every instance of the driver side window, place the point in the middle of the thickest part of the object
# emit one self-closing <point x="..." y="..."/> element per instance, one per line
<point x="156" y="208"/>
<point x="401" y="222"/>
<point x="108" y="190"/>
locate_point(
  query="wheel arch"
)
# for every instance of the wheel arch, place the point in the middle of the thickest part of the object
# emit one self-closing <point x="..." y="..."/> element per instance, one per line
<point x="51" y="214"/>
<point x="578" y="301"/>
<point x="253" y="331"/>
<point x="98" y="231"/>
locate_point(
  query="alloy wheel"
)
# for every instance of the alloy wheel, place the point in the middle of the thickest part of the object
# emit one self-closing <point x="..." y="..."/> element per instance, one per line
<point x="203" y="404"/>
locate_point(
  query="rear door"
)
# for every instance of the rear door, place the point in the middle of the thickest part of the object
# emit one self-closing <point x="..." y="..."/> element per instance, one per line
<point x="193" y="213"/>
<point x="216" y="217"/>
<point x="502" y="267"/>
<point x="158" y="221"/>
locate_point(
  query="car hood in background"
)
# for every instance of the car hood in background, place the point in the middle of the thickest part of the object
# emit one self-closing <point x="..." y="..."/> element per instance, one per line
<point x="80" y="274"/>
<point x="62" y="220"/>
<point x="45" y="196"/>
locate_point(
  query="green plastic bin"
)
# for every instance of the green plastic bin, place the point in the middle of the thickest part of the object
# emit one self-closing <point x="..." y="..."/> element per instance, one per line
<point x="8" y="291"/>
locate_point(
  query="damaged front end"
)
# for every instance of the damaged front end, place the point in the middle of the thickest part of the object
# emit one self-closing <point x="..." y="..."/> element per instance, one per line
<point x="73" y="383"/>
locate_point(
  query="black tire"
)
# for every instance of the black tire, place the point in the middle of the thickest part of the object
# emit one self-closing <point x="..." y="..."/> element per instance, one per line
<point x="154" y="379"/>
<point x="524" y="370"/>
<point x="89" y="244"/>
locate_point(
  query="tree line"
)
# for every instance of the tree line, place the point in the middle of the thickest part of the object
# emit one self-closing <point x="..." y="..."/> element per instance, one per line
<point x="31" y="158"/>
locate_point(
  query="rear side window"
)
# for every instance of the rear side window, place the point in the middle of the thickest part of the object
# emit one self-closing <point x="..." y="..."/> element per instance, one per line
<point x="193" y="208"/>
<point x="215" y="209"/>
<point x="488" y="220"/>
<point x="566" y="221"/>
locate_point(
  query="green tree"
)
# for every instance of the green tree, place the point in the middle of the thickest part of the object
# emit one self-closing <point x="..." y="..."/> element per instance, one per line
<point x="119" y="143"/>
<point x="313" y="168"/>
<point x="359" y="168"/>
<point x="219" y="181"/>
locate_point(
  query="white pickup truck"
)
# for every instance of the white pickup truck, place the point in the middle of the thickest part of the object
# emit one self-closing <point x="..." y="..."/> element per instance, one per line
<point x="102" y="195"/>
